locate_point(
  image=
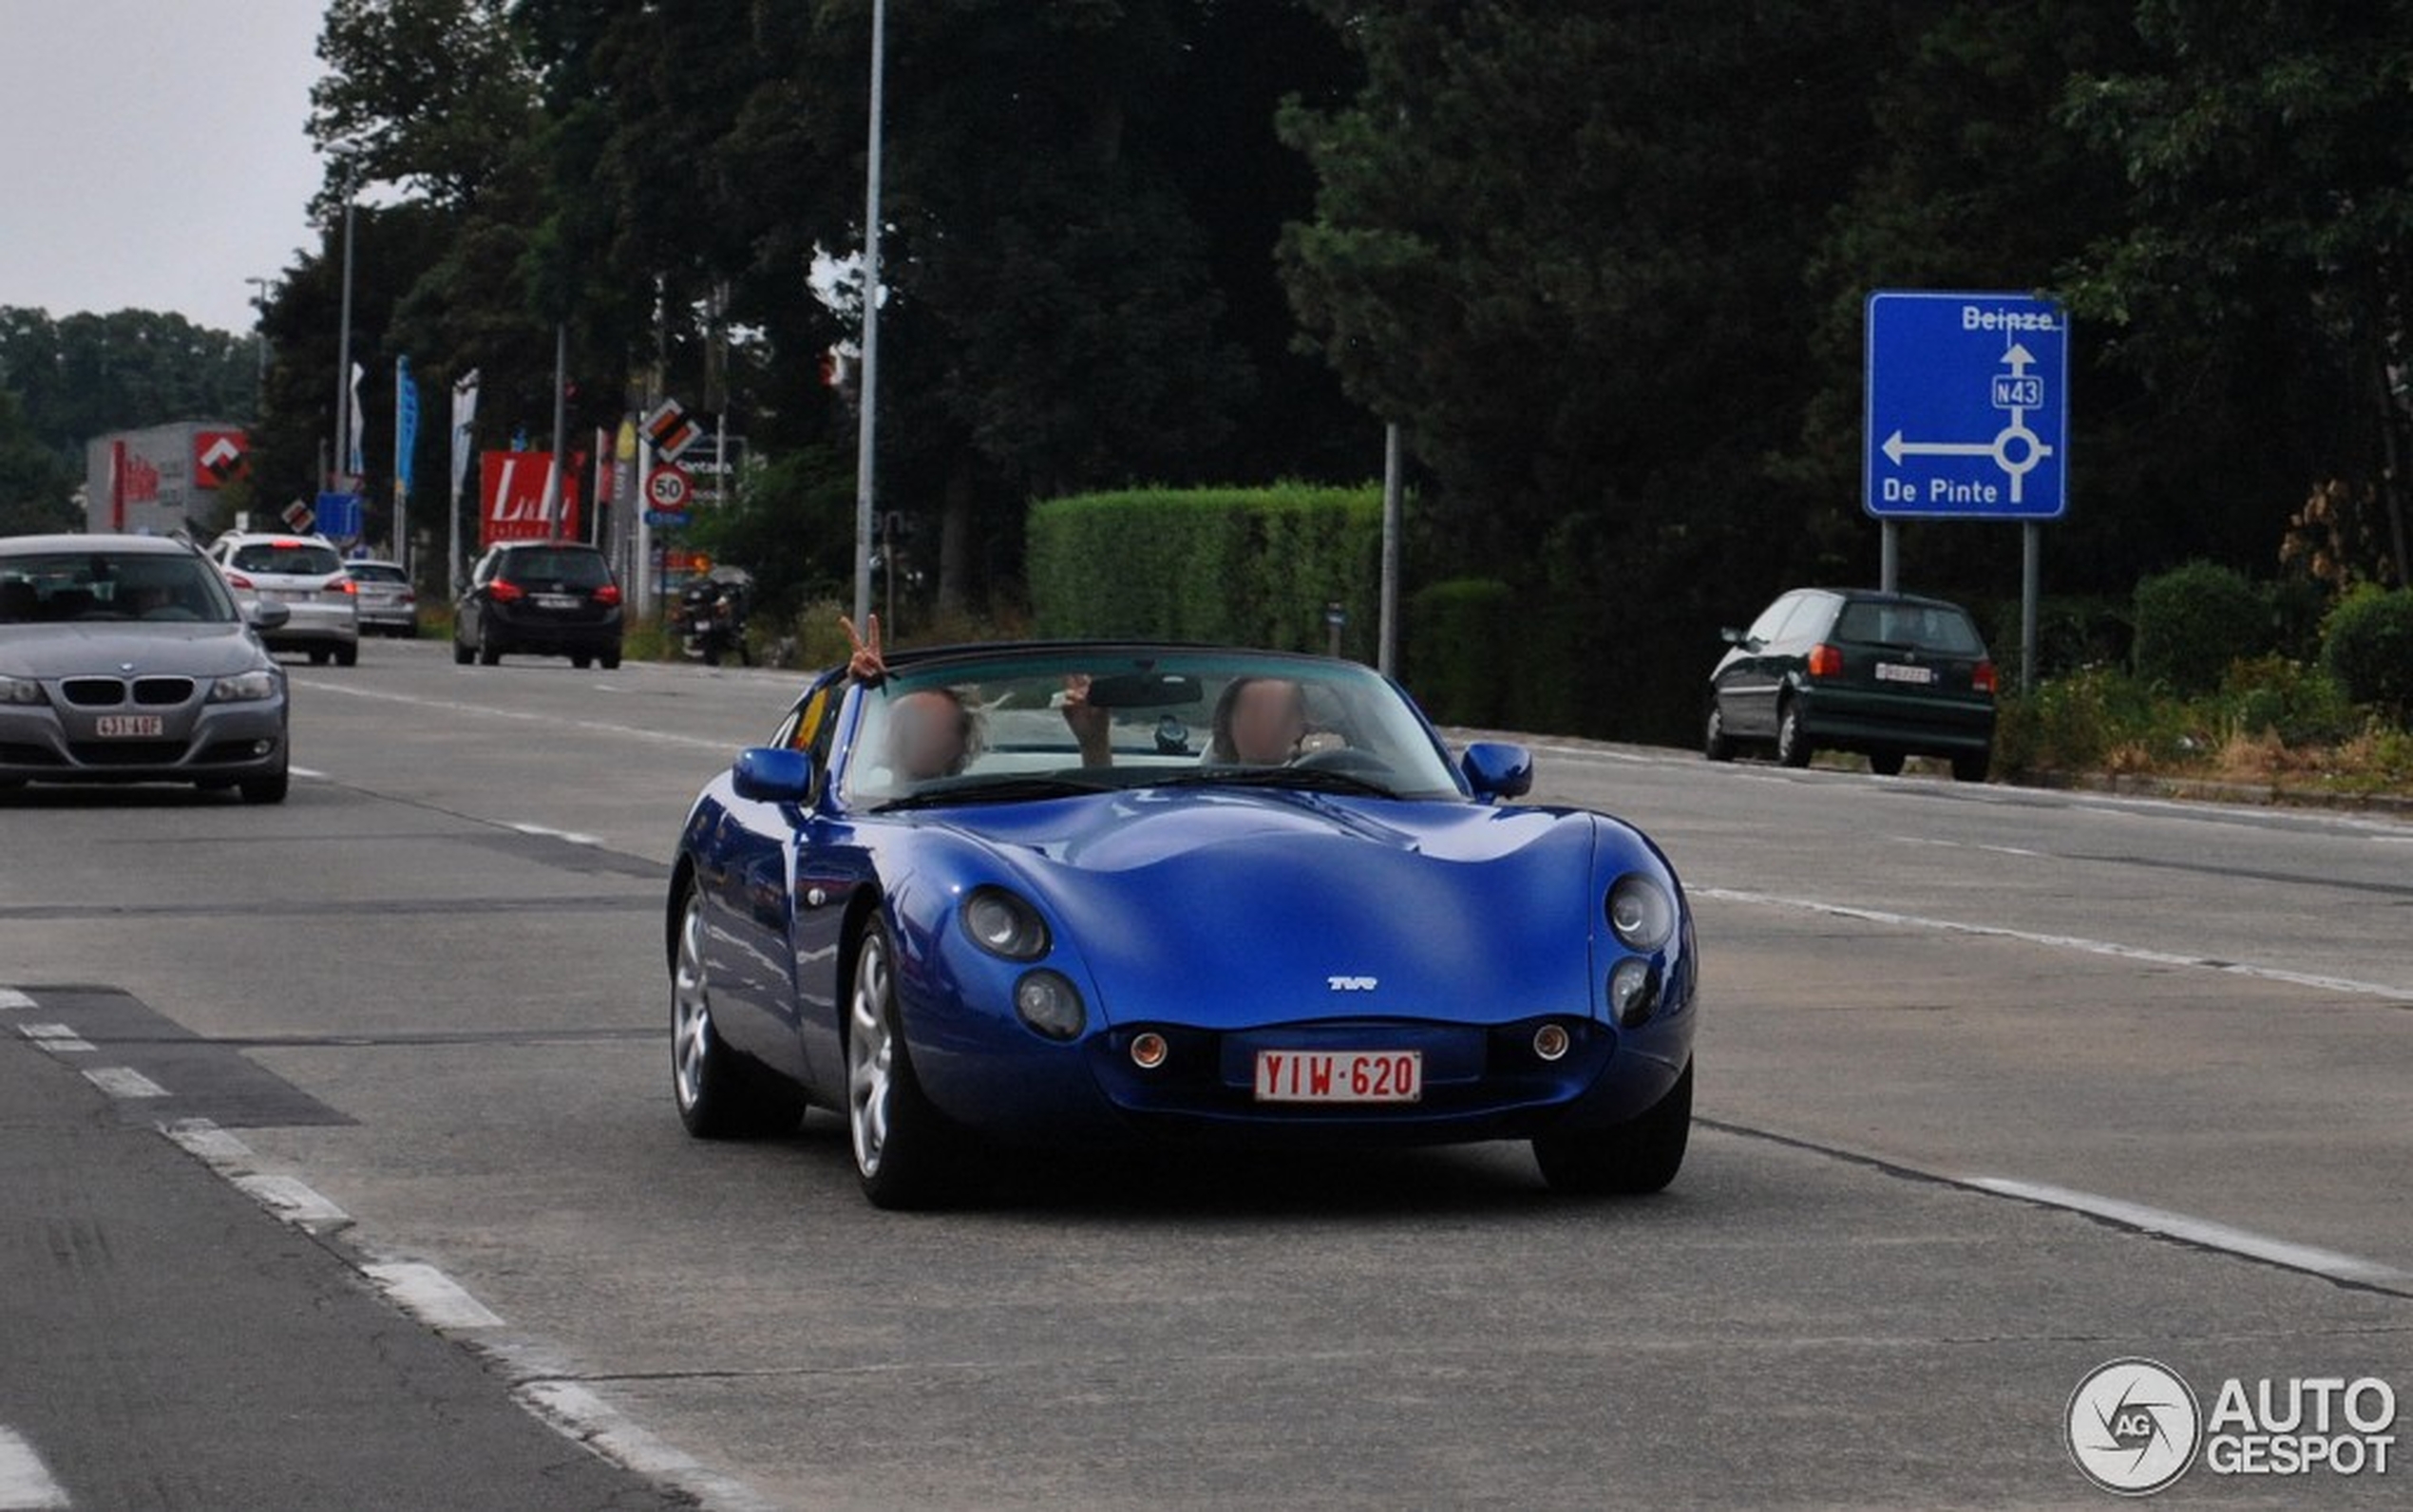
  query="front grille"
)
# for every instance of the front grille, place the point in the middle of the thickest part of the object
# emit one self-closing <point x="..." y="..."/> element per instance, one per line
<point x="163" y="690"/>
<point x="14" y="754"/>
<point x="94" y="692"/>
<point x="127" y="752"/>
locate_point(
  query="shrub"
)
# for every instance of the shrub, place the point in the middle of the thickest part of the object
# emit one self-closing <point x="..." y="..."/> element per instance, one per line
<point x="1252" y="567"/>
<point x="2367" y="644"/>
<point x="1451" y="651"/>
<point x="2303" y="705"/>
<point x="2193" y="621"/>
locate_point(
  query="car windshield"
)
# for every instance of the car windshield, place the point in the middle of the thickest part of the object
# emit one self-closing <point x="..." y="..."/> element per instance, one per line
<point x="299" y="558"/>
<point x="562" y="567"/>
<point x="1937" y="628"/>
<point x="1066" y="720"/>
<point x="375" y="571"/>
<point x="56" y="587"/>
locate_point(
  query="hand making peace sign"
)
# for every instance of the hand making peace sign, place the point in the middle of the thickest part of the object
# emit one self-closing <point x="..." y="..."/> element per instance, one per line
<point x="864" y="666"/>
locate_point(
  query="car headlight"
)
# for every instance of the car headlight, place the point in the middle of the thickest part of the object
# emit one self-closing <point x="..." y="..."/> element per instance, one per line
<point x="20" y="691"/>
<point x="1633" y="991"/>
<point x="1003" y="924"/>
<point x="244" y="687"/>
<point x="1640" y="912"/>
<point x="1050" y="1003"/>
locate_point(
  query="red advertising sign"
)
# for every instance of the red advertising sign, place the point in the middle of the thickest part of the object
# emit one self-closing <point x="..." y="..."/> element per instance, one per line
<point x="511" y="498"/>
<point x="219" y="457"/>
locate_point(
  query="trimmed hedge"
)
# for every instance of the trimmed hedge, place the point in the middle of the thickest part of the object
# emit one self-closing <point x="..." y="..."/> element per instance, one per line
<point x="2367" y="644"/>
<point x="1451" y="652"/>
<point x="2192" y="621"/>
<point x="1244" y="566"/>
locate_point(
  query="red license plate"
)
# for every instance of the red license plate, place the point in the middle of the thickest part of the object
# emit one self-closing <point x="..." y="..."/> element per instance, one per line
<point x="129" y="726"/>
<point x="1340" y="1076"/>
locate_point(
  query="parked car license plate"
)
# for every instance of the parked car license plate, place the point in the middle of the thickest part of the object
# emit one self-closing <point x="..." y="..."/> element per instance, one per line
<point x="555" y="601"/>
<point x="125" y="727"/>
<point x="1340" y="1076"/>
<point x="1897" y="673"/>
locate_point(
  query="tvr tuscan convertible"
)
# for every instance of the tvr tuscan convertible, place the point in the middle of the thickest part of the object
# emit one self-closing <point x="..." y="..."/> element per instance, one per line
<point x="1013" y="896"/>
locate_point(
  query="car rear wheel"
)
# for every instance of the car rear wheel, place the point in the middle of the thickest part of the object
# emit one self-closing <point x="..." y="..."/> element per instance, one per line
<point x="720" y="1093"/>
<point x="1639" y="1156"/>
<point x="1792" y="747"/>
<point x="610" y="661"/>
<point x="489" y="654"/>
<point x="348" y="655"/>
<point x="1973" y="768"/>
<point x="1886" y="762"/>
<point x="318" y="655"/>
<point x="460" y="652"/>
<point x="1714" y="743"/>
<point x="902" y="1142"/>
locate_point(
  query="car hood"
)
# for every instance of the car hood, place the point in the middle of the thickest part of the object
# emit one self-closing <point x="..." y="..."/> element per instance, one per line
<point x="1229" y="909"/>
<point x="104" y="649"/>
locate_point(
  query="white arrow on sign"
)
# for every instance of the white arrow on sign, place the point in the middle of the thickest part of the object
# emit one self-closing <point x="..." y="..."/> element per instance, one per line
<point x="2016" y="449"/>
<point x="222" y="453"/>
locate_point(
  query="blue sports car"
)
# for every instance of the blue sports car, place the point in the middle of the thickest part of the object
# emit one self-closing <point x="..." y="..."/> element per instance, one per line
<point x="1067" y="893"/>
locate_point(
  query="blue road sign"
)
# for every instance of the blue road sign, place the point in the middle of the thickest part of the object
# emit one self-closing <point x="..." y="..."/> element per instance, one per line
<point x="1967" y="407"/>
<point x="338" y="515"/>
<point x="665" y="518"/>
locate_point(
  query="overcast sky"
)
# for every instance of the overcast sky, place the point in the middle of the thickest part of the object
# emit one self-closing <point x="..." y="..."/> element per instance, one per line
<point x="155" y="157"/>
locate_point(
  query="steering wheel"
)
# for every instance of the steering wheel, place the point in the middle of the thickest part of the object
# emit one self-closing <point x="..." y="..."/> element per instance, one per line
<point x="1344" y="759"/>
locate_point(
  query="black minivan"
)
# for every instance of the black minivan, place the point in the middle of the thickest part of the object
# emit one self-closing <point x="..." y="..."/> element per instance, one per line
<point x="1889" y="675"/>
<point x="549" y="597"/>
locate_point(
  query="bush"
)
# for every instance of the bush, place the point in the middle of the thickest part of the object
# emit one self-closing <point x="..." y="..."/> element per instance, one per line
<point x="2193" y="621"/>
<point x="2367" y="644"/>
<point x="1451" y="658"/>
<point x="1251" y="567"/>
<point x="2094" y="720"/>
<point x="2303" y="705"/>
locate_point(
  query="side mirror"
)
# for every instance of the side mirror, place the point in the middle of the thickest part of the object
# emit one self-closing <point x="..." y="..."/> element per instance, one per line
<point x="267" y="616"/>
<point x="768" y="774"/>
<point x="1496" y="771"/>
<point x="1731" y="635"/>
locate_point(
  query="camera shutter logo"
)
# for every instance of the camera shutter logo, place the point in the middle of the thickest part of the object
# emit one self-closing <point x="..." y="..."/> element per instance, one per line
<point x="2134" y="1427"/>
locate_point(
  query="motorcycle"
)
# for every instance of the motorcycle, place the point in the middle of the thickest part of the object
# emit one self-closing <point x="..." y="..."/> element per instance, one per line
<point x="711" y="616"/>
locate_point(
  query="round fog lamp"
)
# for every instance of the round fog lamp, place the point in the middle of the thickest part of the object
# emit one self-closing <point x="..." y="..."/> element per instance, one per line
<point x="1050" y="1004"/>
<point x="1148" y="1050"/>
<point x="1633" y="991"/>
<point x="1551" y="1041"/>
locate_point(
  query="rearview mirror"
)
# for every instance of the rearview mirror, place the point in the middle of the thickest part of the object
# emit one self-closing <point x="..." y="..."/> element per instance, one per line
<point x="769" y="774"/>
<point x="267" y="616"/>
<point x="1497" y="770"/>
<point x="1144" y="691"/>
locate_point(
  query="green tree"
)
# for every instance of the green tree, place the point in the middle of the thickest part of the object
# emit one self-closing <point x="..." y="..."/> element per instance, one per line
<point x="34" y="484"/>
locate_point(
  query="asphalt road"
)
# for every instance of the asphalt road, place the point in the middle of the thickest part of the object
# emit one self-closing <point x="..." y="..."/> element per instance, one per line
<point x="1996" y="1086"/>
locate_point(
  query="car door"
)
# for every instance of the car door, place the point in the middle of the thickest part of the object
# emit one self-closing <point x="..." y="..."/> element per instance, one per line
<point x="1747" y="678"/>
<point x="469" y="610"/>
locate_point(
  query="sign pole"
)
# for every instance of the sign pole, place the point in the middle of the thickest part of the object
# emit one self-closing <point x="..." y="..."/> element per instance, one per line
<point x="866" y="450"/>
<point x="1889" y="557"/>
<point x="2031" y="575"/>
<point x="1387" y="638"/>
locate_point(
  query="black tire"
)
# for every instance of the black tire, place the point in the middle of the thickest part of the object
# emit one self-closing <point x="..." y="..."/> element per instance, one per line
<point x="720" y="1093"/>
<point x="318" y="655"/>
<point x="1792" y="747"/>
<point x="1714" y="743"/>
<point x="462" y="656"/>
<point x="1886" y="762"/>
<point x="907" y="1154"/>
<point x="348" y="655"/>
<point x="489" y="654"/>
<point x="1973" y="768"/>
<point x="582" y="662"/>
<point x="269" y="789"/>
<point x="1629" y="1159"/>
<point x="610" y="660"/>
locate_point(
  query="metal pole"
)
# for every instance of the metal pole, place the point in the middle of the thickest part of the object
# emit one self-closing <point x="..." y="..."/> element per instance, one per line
<point x="552" y="475"/>
<point x="867" y="433"/>
<point x="402" y="499"/>
<point x="2031" y="577"/>
<point x="259" y="338"/>
<point x="1889" y="558"/>
<point x="343" y="355"/>
<point x="1387" y="652"/>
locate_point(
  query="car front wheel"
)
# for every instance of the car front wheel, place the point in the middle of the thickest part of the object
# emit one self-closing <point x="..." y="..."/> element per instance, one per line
<point x="902" y="1142"/>
<point x="1639" y="1156"/>
<point x="1714" y="743"/>
<point x="1973" y="768"/>
<point x="720" y="1093"/>
<point x="269" y="789"/>
<point x="1792" y="746"/>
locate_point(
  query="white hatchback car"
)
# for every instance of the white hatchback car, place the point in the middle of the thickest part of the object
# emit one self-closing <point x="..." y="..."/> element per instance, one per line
<point x="305" y="574"/>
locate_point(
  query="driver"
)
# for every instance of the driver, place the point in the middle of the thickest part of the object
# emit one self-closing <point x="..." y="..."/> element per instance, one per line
<point x="1259" y="721"/>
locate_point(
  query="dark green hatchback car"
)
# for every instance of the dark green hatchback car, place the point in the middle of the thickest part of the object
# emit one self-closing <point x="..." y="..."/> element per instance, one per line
<point x="1887" y="675"/>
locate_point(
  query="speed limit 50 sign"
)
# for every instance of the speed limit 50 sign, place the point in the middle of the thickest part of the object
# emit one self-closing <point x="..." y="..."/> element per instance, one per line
<point x="669" y="488"/>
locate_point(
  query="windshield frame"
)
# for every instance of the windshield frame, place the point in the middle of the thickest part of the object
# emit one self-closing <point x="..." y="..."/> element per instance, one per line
<point x="203" y="579"/>
<point x="1364" y="692"/>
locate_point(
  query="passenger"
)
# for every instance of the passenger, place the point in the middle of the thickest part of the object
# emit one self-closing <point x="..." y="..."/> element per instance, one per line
<point x="1259" y="721"/>
<point x="933" y="733"/>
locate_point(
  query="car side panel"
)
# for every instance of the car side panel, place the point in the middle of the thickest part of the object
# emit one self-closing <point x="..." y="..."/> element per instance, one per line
<point x="741" y="849"/>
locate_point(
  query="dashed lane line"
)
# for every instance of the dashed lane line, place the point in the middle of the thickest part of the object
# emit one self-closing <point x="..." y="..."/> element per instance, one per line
<point x="2197" y="1231"/>
<point x="59" y="1039"/>
<point x="26" y="1484"/>
<point x="123" y="1082"/>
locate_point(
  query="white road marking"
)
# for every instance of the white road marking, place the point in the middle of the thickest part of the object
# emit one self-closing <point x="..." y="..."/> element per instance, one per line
<point x="292" y="1199"/>
<point x="548" y="832"/>
<point x="213" y="1145"/>
<point x="523" y="716"/>
<point x="124" y="1081"/>
<point x="12" y="998"/>
<point x="578" y="1413"/>
<point x="2072" y="942"/>
<point x="56" y="1039"/>
<point x="310" y="772"/>
<point x="2336" y="1266"/>
<point x="431" y="1296"/>
<point x="24" y="1481"/>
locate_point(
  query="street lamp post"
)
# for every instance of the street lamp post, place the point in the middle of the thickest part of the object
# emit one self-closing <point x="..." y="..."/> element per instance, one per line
<point x="344" y="438"/>
<point x="867" y="433"/>
<point x="259" y="337"/>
